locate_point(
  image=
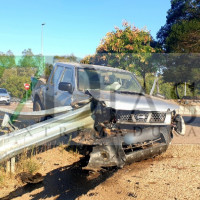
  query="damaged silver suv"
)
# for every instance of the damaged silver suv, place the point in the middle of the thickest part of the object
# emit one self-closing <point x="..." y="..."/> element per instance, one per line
<point x="128" y="124"/>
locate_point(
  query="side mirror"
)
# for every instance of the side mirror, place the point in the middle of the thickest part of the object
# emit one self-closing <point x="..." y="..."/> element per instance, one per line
<point x="64" y="86"/>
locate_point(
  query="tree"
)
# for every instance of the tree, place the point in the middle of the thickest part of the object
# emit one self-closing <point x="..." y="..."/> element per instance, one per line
<point x="129" y="48"/>
<point x="7" y="60"/>
<point x="181" y="68"/>
<point x="27" y="59"/>
<point x="87" y="59"/>
<point x="39" y="64"/>
<point x="1" y="71"/>
<point x="47" y="71"/>
<point x="180" y="37"/>
<point x="67" y="58"/>
<point x="13" y="80"/>
<point x="184" y="37"/>
<point x="181" y="10"/>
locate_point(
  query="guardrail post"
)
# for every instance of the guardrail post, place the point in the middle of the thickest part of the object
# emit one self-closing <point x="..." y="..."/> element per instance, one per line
<point x="10" y="166"/>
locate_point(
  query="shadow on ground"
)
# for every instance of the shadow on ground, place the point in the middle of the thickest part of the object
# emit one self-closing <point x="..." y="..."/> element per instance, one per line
<point x="192" y="120"/>
<point x="63" y="183"/>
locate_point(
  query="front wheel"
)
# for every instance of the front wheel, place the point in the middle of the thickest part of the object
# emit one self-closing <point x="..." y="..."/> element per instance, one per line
<point x="166" y="135"/>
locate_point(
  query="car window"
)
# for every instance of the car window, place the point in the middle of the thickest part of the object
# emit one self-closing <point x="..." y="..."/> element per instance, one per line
<point x="3" y="91"/>
<point x="67" y="76"/>
<point x="107" y="80"/>
<point x="56" y="76"/>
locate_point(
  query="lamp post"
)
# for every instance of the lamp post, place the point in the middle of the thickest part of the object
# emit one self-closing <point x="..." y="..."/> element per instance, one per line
<point x="42" y="64"/>
<point x="42" y="39"/>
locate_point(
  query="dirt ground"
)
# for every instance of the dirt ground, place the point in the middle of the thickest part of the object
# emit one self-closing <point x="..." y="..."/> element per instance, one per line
<point x="28" y="107"/>
<point x="172" y="175"/>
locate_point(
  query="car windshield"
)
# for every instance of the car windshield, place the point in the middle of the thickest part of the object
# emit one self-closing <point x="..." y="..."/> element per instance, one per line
<point x="3" y="91"/>
<point x="107" y="80"/>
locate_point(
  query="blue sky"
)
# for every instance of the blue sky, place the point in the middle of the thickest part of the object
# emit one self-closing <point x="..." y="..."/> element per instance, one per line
<point x="72" y="26"/>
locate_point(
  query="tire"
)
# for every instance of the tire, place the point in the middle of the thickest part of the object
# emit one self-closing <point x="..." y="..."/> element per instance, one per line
<point x="37" y="106"/>
<point x="166" y="135"/>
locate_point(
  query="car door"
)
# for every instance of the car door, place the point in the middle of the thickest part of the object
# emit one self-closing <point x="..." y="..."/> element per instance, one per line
<point x="52" y="87"/>
<point x="63" y="98"/>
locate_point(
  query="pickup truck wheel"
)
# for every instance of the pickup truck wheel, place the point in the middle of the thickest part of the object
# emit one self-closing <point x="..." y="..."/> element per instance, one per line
<point x="166" y="136"/>
<point x="37" y="106"/>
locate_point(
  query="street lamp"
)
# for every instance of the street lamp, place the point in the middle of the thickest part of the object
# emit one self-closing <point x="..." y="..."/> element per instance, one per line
<point x="42" y="40"/>
<point x="41" y="67"/>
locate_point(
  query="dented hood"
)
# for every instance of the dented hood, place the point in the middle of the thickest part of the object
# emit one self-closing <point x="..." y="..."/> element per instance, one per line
<point x="124" y="101"/>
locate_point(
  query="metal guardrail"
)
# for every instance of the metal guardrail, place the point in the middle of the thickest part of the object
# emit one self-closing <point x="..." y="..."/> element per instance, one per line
<point x="37" y="114"/>
<point x="14" y="143"/>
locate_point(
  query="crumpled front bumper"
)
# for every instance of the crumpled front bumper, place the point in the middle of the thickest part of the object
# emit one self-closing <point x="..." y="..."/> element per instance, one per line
<point x="113" y="151"/>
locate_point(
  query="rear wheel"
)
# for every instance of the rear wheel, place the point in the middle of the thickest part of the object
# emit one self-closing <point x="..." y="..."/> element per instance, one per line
<point x="37" y="106"/>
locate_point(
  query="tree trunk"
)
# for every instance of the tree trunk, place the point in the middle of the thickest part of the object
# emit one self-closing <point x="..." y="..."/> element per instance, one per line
<point x="144" y="79"/>
<point x="158" y="88"/>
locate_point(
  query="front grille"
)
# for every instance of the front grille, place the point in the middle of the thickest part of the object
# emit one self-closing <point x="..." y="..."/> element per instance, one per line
<point x="126" y="117"/>
<point x="141" y="117"/>
<point x="157" y="117"/>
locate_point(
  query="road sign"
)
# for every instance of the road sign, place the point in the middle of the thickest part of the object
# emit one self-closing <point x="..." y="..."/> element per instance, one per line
<point x="26" y="86"/>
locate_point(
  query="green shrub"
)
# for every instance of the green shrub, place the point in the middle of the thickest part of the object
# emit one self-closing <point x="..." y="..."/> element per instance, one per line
<point x="13" y="80"/>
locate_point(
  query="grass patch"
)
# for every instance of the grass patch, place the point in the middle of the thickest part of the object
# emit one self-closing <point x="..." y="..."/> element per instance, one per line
<point x="27" y="163"/>
<point x="2" y="177"/>
<point x="69" y="147"/>
<point x="62" y="147"/>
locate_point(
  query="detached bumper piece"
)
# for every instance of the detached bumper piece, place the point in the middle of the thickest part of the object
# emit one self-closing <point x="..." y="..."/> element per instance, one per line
<point x="116" y="152"/>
